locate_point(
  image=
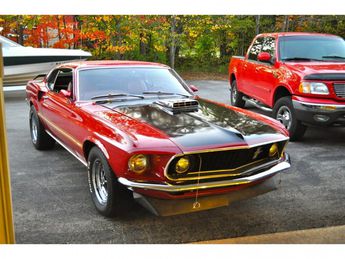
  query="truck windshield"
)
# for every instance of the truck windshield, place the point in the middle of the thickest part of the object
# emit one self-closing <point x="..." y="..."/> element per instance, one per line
<point x="311" y="48"/>
<point x="143" y="81"/>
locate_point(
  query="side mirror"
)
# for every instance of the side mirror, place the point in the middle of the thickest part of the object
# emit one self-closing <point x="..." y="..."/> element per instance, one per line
<point x="66" y="93"/>
<point x="264" y="57"/>
<point x="193" y="88"/>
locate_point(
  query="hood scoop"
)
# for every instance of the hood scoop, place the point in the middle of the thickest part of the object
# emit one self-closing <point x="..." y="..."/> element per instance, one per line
<point x="179" y="105"/>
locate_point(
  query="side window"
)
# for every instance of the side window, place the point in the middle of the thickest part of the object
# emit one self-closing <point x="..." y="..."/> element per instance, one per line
<point x="51" y="79"/>
<point x="63" y="80"/>
<point x="60" y="79"/>
<point x="269" y="46"/>
<point x="255" y="49"/>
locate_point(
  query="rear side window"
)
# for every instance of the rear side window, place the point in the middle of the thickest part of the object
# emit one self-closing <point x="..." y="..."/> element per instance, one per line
<point x="269" y="46"/>
<point x="256" y="48"/>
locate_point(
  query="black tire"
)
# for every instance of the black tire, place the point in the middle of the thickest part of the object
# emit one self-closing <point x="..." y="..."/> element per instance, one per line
<point x="236" y="97"/>
<point x="108" y="195"/>
<point x="39" y="137"/>
<point x="284" y="112"/>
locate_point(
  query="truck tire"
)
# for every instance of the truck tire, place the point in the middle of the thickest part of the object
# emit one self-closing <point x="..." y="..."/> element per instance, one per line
<point x="39" y="137"/>
<point x="108" y="195"/>
<point x="236" y="97"/>
<point x="284" y="112"/>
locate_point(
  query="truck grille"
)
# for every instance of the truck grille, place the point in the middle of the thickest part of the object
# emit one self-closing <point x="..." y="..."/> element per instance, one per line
<point x="232" y="163"/>
<point x="339" y="90"/>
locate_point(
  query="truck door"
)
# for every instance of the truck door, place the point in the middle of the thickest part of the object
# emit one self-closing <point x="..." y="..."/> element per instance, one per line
<point x="248" y="84"/>
<point x="266" y="73"/>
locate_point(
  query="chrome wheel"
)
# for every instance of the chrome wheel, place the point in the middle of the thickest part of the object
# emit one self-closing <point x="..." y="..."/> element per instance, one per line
<point x="233" y="95"/>
<point x="99" y="182"/>
<point x="284" y="116"/>
<point x="34" y="131"/>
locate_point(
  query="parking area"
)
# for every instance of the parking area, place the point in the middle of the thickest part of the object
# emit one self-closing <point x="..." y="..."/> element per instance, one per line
<point x="52" y="203"/>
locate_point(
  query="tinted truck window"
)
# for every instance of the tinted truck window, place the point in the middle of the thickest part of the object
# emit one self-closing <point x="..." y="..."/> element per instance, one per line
<point x="255" y="49"/>
<point x="269" y="46"/>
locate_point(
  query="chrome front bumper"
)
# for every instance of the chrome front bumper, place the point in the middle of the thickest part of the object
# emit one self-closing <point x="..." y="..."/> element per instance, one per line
<point x="166" y="187"/>
<point x="317" y="107"/>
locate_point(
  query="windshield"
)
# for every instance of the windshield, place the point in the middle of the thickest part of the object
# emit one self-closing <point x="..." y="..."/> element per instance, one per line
<point x="311" y="48"/>
<point x="6" y="43"/>
<point x="130" y="80"/>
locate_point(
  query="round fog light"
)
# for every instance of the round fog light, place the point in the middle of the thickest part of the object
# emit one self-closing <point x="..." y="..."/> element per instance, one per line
<point x="182" y="165"/>
<point x="273" y="150"/>
<point x="138" y="163"/>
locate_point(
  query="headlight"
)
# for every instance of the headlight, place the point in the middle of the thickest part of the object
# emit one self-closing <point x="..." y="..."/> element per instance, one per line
<point x="313" y="88"/>
<point x="138" y="163"/>
<point x="182" y="165"/>
<point x="273" y="150"/>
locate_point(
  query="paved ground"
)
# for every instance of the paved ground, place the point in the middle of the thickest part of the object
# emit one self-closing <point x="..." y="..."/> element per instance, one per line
<point x="52" y="203"/>
<point x="328" y="235"/>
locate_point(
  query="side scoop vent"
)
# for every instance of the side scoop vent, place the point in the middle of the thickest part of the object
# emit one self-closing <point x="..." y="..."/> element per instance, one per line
<point x="179" y="105"/>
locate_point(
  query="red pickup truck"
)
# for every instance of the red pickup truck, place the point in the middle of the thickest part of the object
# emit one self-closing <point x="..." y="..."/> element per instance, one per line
<point x="300" y="77"/>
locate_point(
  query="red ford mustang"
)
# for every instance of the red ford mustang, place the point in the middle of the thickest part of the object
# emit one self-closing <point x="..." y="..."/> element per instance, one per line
<point x="143" y="134"/>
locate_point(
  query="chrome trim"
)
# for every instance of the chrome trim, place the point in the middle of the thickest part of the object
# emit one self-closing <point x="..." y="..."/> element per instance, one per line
<point x="257" y="105"/>
<point x="202" y="186"/>
<point x="225" y="174"/>
<point x="317" y="106"/>
<point x="218" y="149"/>
<point x="65" y="147"/>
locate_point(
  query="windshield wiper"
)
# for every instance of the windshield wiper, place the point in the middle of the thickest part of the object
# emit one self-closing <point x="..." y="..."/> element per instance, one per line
<point x="164" y="93"/>
<point x="339" y="57"/>
<point x="111" y="95"/>
<point x="301" y="59"/>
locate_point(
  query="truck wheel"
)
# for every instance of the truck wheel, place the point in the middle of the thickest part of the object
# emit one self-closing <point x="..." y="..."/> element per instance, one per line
<point x="108" y="196"/>
<point x="284" y="112"/>
<point x="39" y="137"/>
<point x="236" y="96"/>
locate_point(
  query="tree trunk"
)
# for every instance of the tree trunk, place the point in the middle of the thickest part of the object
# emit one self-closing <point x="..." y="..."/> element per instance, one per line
<point x="65" y="30"/>
<point x="143" y="46"/>
<point x="173" y="42"/>
<point x="286" y="23"/>
<point x="58" y="27"/>
<point x="223" y="45"/>
<point x="257" y="22"/>
<point x="75" y="28"/>
<point x="20" y="30"/>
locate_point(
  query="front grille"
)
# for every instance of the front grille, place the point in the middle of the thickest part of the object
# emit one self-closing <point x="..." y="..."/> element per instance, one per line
<point x="339" y="90"/>
<point x="232" y="163"/>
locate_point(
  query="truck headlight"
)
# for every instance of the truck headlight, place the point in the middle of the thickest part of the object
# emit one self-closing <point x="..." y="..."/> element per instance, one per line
<point x="138" y="163"/>
<point x="313" y="88"/>
<point x="182" y="165"/>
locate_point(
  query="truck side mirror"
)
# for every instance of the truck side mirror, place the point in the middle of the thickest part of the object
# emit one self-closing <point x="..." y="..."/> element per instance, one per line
<point x="265" y="57"/>
<point x="193" y="88"/>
